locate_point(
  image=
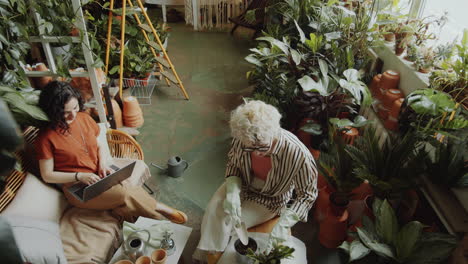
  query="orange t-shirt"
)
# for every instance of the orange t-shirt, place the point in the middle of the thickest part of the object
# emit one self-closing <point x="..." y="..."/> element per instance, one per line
<point x="260" y="166"/>
<point x="74" y="151"/>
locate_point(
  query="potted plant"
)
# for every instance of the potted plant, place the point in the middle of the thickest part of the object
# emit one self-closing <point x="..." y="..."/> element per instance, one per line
<point x="403" y="35"/>
<point x="429" y="112"/>
<point x="390" y="169"/>
<point x="425" y="59"/>
<point x="411" y="52"/>
<point x="243" y="251"/>
<point x="389" y="242"/>
<point x="274" y="256"/>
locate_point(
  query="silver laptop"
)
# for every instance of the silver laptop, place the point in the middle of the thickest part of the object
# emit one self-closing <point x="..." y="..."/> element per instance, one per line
<point x="85" y="192"/>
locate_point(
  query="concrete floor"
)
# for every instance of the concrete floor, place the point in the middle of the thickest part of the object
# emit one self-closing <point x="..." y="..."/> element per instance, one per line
<point x="212" y="68"/>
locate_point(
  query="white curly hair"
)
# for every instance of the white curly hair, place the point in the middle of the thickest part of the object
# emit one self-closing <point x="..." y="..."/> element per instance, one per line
<point x="255" y="123"/>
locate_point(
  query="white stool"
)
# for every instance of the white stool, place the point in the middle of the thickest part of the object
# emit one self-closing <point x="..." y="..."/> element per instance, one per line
<point x="163" y="4"/>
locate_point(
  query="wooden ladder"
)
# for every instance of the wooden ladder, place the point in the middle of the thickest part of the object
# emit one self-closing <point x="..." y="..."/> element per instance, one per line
<point x="164" y="63"/>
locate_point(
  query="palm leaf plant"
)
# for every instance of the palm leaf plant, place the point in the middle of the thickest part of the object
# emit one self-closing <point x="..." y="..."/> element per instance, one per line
<point x="449" y="165"/>
<point x="394" y="244"/>
<point x="390" y="169"/>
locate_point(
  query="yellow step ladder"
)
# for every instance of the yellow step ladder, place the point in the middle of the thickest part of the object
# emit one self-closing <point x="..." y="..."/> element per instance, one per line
<point x="164" y="63"/>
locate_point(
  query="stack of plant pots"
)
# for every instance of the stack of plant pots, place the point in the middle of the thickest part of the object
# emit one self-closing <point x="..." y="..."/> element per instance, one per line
<point x="384" y="87"/>
<point x="117" y="113"/>
<point x="132" y="114"/>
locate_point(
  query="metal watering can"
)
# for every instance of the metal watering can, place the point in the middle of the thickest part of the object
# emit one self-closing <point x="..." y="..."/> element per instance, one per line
<point x="176" y="166"/>
<point x="134" y="247"/>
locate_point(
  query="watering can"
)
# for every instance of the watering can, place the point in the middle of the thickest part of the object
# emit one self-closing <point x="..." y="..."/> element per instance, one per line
<point x="134" y="247"/>
<point x="176" y="166"/>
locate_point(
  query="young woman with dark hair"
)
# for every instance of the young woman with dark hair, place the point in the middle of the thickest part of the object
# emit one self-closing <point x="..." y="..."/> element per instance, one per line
<point x="68" y="152"/>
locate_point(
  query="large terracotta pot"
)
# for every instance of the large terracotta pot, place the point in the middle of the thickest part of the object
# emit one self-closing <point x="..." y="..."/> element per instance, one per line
<point x="117" y="113"/>
<point x="391" y="124"/>
<point x="322" y="204"/>
<point x="132" y="114"/>
<point x="382" y="112"/>
<point x="332" y="231"/>
<point x="303" y="136"/>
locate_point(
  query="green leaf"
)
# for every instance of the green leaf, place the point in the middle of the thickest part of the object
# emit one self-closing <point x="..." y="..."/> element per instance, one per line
<point x="296" y="56"/>
<point x="302" y="37"/>
<point x="252" y="59"/>
<point x="357" y="250"/>
<point x="386" y="223"/>
<point x="308" y="84"/>
<point x="274" y="42"/>
<point x="312" y="128"/>
<point x="407" y="238"/>
<point x="340" y="123"/>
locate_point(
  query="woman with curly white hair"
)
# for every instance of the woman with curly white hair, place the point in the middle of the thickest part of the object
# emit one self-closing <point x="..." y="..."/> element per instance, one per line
<point x="266" y="164"/>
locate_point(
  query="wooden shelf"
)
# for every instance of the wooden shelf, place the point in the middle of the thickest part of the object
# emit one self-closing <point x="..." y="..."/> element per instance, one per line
<point x="446" y="205"/>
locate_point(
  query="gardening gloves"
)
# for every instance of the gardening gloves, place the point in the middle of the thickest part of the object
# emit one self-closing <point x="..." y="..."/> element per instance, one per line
<point x="232" y="203"/>
<point x="280" y="232"/>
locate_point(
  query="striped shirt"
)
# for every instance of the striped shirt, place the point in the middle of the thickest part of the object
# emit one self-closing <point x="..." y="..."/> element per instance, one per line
<point x="292" y="169"/>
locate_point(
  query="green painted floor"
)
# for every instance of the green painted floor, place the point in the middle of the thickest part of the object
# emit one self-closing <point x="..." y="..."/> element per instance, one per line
<point x="212" y="68"/>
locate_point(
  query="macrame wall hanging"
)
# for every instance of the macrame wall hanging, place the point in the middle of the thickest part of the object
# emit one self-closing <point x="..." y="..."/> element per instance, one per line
<point x="214" y="14"/>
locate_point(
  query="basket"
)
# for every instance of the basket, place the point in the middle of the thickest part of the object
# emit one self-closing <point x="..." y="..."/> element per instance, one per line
<point x="142" y="89"/>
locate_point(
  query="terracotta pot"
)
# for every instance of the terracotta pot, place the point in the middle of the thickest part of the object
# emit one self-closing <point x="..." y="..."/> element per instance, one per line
<point x="362" y="191"/>
<point x="159" y="256"/>
<point x="399" y="50"/>
<point x="395" y="109"/>
<point x="117" y="113"/>
<point x="143" y="260"/>
<point x="124" y="261"/>
<point x="382" y="112"/>
<point x="41" y="82"/>
<point x="390" y="96"/>
<point x="349" y="135"/>
<point x="338" y="202"/>
<point x="315" y="153"/>
<point x="132" y="114"/>
<point x="375" y="84"/>
<point x="425" y="70"/>
<point x="332" y="230"/>
<point x="303" y="136"/>
<point x="390" y="37"/>
<point x="391" y="124"/>
<point x="322" y="204"/>
<point x="389" y="80"/>
<point x="144" y="81"/>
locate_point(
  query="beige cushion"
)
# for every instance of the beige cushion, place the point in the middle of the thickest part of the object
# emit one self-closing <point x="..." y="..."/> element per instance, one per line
<point x="102" y="141"/>
<point x="37" y="200"/>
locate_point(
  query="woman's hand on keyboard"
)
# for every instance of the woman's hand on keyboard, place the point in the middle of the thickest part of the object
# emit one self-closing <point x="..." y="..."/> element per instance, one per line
<point x="88" y="178"/>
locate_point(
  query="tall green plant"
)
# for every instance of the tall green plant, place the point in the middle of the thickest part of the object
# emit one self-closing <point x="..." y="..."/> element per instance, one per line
<point x="15" y="23"/>
<point x="393" y="244"/>
<point x="392" y="168"/>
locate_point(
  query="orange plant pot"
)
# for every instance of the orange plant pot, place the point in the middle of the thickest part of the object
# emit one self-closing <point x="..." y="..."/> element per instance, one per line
<point x="303" y="136"/>
<point x="41" y="82"/>
<point x="159" y="256"/>
<point x="322" y="204"/>
<point x="389" y="80"/>
<point x="117" y="113"/>
<point x="391" y="124"/>
<point x="395" y="109"/>
<point x="390" y="96"/>
<point x="332" y="230"/>
<point x="132" y="114"/>
<point x="382" y="112"/>
<point x="349" y="135"/>
<point x="362" y="191"/>
<point x="375" y="84"/>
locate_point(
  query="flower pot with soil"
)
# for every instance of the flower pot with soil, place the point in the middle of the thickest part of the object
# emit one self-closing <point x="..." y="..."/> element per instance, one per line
<point x="242" y="250"/>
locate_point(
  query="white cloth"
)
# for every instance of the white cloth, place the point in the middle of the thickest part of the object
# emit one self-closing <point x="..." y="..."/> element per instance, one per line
<point x="216" y="225"/>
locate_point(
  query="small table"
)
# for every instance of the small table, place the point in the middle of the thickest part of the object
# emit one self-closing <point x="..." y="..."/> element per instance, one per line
<point x="299" y="255"/>
<point x="180" y="236"/>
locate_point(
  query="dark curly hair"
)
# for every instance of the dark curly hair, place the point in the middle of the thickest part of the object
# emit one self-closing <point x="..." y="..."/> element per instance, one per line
<point x="53" y="99"/>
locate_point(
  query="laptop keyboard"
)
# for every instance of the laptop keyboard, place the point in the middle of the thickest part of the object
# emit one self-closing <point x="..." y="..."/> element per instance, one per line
<point x="80" y="192"/>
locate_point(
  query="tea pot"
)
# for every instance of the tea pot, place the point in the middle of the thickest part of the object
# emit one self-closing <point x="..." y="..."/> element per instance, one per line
<point x="176" y="166"/>
<point x="134" y="247"/>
